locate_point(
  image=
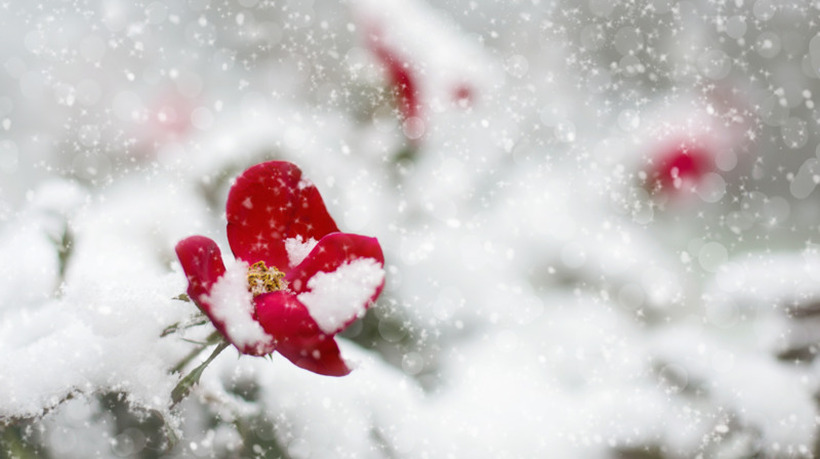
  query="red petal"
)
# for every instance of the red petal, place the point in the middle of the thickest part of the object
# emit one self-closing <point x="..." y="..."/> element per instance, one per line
<point x="270" y="203"/>
<point x="202" y="262"/>
<point x="298" y="338"/>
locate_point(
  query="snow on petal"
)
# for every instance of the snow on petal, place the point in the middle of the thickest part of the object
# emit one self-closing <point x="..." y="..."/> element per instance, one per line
<point x="232" y="304"/>
<point x="337" y="297"/>
<point x="298" y="249"/>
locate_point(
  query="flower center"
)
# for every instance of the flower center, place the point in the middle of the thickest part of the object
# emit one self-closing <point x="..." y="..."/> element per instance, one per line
<point x="262" y="279"/>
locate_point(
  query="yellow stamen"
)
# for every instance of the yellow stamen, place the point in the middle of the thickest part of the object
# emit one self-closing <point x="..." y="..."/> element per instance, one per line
<point x="262" y="279"/>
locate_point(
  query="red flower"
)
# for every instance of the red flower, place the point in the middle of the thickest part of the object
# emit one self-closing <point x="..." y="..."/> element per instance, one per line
<point x="297" y="282"/>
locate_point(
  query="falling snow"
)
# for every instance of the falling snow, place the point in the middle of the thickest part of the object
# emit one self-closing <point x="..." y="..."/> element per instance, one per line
<point x="599" y="220"/>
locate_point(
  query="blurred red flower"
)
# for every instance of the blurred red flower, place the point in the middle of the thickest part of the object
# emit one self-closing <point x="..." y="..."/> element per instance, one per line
<point x="679" y="167"/>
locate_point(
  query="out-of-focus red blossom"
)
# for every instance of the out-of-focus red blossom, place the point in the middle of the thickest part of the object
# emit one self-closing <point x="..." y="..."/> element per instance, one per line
<point x="165" y="119"/>
<point x="399" y="72"/>
<point x="269" y="204"/>
<point x="169" y="117"/>
<point x="463" y="95"/>
<point x="679" y="167"/>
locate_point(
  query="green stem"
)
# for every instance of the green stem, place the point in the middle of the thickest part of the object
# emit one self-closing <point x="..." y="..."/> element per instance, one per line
<point x="187" y="383"/>
<point x="183" y="326"/>
<point x="213" y="338"/>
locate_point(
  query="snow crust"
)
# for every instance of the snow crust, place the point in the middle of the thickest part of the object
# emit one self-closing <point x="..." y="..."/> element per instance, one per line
<point x="337" y="297"/>
<point x="97" y="330"/>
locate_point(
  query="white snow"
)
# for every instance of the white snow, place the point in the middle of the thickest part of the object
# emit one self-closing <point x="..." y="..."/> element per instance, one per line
<point x="298" y="249"/>
<point x="337" y="297"/>
<point x="232" y="304"/>
<point x="100" y="332"/>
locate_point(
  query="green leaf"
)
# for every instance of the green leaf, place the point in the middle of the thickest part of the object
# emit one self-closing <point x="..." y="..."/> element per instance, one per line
<point x="186" y="384"/>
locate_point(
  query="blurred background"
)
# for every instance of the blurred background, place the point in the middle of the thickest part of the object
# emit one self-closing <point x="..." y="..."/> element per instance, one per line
<point x="599" y="220"/>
